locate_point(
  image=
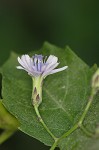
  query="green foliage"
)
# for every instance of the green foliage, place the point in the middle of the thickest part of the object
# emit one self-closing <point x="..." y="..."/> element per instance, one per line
<point x="7" y="121"/>
<point x="65" y="96"/>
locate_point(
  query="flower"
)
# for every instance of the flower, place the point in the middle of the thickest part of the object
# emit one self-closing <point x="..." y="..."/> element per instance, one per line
<point x="39" y="66"/>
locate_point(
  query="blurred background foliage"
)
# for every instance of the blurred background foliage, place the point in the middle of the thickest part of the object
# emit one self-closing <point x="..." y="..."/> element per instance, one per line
<point x="25" y="25"/>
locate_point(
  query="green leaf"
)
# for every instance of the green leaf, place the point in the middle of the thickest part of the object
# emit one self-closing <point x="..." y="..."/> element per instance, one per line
<point x="7" y="121"/>
<point x="65" y="96"/>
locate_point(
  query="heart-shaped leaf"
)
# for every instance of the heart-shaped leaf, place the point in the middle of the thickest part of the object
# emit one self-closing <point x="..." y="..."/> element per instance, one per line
<point x="65" y="96"/>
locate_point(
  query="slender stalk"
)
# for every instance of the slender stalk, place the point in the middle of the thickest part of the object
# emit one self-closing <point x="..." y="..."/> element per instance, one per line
<point x="54" y="145"/>
<point x="79" y="124"/>
<point x="87" y="107"/>
<point x="42" y="122"/>
<point x="69" y="132"/>
<point x="37" y="99"/>
<point x="64" y="136"/>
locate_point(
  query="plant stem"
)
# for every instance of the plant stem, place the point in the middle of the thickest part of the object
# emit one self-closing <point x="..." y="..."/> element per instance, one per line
<point x="87" y="107"/>
<point x="54" y="145"/>
<point x="69" y="132"/>
<point x="5" y="135"/>
<point x="79" y="124"/>
<point x="42" y="122"/>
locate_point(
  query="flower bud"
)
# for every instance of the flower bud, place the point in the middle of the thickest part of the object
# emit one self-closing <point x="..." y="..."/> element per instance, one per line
<point x="95" y="80"/>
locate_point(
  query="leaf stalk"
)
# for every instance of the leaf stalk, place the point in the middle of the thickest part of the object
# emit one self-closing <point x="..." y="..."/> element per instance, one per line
<point x="42" y="122"/>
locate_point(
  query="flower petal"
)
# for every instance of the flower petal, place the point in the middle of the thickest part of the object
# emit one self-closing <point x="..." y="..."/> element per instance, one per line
<point x="26" y="61"/>
<point x="21" y="62"/>
<point x="34" y="74"/>
<point x="58" y="70"/>
<point x="51" y="65"/>
<point x="19" y="67"/>
<point x="37" y="66"/>
<point x="48" y="70"/>
<point x="52" y="59"/>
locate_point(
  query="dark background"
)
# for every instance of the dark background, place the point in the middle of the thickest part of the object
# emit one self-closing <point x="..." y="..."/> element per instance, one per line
<point x="25" y="25"/>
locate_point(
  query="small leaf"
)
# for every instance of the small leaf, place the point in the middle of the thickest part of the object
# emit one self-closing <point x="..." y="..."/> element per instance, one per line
<point x="65" y="96"/>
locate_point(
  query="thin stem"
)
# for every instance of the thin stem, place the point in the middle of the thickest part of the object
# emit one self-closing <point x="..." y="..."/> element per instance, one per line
<point x="5" y="135"/>
<point x="64" y="136"/>
<point x="69" y="132"/>
<point x="87" y="107"/>
<point x="79" y="124"/>
<point x="54" y="145"/>
<point x="42" y="122"/>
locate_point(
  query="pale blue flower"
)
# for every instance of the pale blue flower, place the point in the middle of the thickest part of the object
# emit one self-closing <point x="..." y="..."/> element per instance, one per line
<point x="39" y="65"/>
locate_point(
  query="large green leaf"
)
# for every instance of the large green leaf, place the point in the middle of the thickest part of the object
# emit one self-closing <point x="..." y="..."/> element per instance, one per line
<point x="65" y="96"/>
